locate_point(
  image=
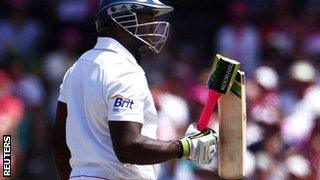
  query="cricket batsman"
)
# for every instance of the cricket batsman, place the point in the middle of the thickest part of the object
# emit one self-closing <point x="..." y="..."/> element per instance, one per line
<point x="106" y="120"/>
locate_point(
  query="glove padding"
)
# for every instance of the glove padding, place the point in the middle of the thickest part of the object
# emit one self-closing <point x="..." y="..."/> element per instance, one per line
<point x="199" y="146"/>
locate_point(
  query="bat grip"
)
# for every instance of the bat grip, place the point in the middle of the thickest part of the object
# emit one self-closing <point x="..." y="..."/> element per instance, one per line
<point x="212" y="100"/>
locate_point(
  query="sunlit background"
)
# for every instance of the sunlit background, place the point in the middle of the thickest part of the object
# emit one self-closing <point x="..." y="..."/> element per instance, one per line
<point x="277" y="42"/>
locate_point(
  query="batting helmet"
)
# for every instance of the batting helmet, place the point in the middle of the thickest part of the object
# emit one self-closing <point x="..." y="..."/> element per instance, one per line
<point x="123" y="12"/>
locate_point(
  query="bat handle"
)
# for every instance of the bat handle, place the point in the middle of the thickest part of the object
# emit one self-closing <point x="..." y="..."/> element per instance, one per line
<point x="212" y="100"/>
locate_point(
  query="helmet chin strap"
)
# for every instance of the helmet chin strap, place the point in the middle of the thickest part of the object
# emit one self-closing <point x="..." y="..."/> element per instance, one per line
<point x="143" y="48"/>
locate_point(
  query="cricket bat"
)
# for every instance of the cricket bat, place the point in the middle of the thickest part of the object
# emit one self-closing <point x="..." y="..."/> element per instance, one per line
<point x="232" y="125"/>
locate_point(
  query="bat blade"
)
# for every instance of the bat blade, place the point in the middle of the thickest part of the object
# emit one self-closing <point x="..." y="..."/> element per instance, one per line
<point x="232" y="125"/>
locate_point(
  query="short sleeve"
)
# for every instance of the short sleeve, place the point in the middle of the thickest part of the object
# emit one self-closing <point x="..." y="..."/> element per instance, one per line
<point x="62" y="95"/>
<point x="62" y="92"/>
<point x="126" y="97"/>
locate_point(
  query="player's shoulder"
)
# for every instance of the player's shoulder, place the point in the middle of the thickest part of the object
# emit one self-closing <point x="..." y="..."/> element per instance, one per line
<point x="112" y="64"/>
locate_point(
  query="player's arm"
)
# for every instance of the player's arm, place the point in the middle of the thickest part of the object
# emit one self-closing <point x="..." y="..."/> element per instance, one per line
<point x="133" y="148"/>
<point x="60" y="148"/>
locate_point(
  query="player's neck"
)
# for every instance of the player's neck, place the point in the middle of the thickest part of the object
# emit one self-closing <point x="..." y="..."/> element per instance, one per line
<point x="130" y="44"/>
<point x="132" y="47"/>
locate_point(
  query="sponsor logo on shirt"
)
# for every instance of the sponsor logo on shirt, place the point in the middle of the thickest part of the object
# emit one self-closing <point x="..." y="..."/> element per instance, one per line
<point x="121" y="103"/>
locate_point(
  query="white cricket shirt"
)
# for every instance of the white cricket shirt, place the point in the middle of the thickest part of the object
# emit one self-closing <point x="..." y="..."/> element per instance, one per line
<point x="105" y="83"/>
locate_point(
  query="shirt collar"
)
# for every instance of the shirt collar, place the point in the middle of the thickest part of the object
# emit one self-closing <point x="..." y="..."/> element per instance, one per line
<point x="107" y="43"/>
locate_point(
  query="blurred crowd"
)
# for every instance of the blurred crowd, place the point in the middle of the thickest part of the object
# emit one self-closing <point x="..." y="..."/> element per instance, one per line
<point x="277" y="42"/>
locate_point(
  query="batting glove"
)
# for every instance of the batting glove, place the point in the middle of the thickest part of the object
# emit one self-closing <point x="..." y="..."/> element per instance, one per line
<point x="199" y="146"/>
